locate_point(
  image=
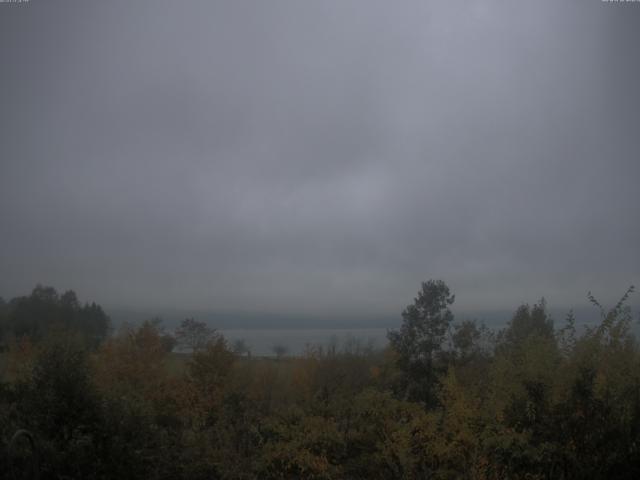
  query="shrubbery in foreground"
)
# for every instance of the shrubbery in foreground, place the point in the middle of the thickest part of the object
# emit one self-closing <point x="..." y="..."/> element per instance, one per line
<point x="445" y="400"/>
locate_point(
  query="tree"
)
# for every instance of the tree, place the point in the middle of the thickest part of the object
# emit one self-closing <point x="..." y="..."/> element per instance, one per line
<point x="418" y="343"/>
<point x="193" y="335"/>
<point x="280" y="350"/>
<point x="528" y="322"/>
<point x="208" y="373"/>
<point x="168" y="341"/>
<point x="60" y="405"/>
<point x="44" y="311"/>
<point x="468" y="339"/>
<point x="240" y="347"/>
<point x="3" y="322"/>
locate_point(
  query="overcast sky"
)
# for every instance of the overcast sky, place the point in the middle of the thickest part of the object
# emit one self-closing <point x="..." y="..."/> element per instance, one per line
<point x="319" y="157"/>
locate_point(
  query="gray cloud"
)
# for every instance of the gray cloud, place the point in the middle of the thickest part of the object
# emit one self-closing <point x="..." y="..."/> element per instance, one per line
<point x="319" y="157"/>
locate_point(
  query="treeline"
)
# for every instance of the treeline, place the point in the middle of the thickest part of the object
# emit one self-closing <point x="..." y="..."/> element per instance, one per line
<point x="44" y="313"/>
<point x="445" y="400"/>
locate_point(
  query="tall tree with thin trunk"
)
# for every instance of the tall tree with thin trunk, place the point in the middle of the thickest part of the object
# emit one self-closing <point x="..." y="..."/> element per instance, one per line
<point x="419" y="341"/>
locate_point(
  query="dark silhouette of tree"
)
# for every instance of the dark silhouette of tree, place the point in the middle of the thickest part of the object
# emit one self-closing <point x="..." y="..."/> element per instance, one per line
<point x="279" y="350"/>
<point x="193" y="335"/>
<point x="60" y="405"/>
<point x="419" y="342"/>
<point x="527" y="322"/>
<point x="467" y="339"/>
<point x="44" y="311"/>
<point x="240" y="347"/>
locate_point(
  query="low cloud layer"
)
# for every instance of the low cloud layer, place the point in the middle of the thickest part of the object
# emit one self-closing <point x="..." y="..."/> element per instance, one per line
<point x="319" y="157"/>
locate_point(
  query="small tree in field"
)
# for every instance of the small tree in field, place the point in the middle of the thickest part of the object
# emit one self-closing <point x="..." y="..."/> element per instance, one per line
<point x="240" y="347"/>
<point x="418" y="343"/>
<point x="280" y="350"/>
<point x="193" y="335"/>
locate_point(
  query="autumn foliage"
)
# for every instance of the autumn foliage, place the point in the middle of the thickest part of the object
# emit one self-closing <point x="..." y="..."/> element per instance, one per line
<point x="446" y="400"/>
